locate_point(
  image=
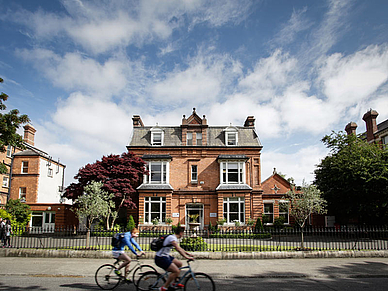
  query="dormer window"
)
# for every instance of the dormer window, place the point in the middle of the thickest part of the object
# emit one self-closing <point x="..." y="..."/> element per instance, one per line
<point x="189" y="138"/>
<point x="157" y="136"/>
<point x="231" y="136"/>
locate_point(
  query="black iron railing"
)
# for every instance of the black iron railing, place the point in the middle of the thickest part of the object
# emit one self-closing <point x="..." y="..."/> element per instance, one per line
<point x="226" y="240"/>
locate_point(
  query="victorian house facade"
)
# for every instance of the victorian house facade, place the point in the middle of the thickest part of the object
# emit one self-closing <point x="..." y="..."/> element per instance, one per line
<point x="201" y="172"/>
<point x="37" y="180"/>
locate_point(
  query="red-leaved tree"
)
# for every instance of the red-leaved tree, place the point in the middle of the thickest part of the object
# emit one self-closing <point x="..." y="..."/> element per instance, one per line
<point x="120" y="174"/>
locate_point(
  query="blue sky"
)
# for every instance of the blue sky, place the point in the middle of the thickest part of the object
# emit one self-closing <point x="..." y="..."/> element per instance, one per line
<point x="81" y="69"/>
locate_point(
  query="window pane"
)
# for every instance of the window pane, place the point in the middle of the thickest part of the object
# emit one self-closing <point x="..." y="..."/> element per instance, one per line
<point x="155" y="207"/>
<point x="47" y="218"/>
<point x="52" y="217"/>
<point x="233" y="216"/>
<point x="156" y="172"/>
<point x="233" y="207"/>
<point x="268" y="208"/>
<point x="155" y="215"/>
<point x="189" y="138"/>
<point x="157" y="138"/>
<point x="232" y="138"/>
<point x="199" y="138"/>
<point x="37" y="220"/>
<point x="147" y="218"/>
<point x="283" y="207"/>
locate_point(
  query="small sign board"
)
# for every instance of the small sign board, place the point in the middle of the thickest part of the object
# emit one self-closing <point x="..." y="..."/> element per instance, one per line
<point x="213" y="214"/>
<point x="175" y="215"/>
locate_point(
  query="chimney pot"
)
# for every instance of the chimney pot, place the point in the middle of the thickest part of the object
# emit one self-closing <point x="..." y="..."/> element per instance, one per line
<point x="350" y="128"/>
<point x="29" y="134"/>
<point x="137" y="122"/>
<point x="371" y="125"/>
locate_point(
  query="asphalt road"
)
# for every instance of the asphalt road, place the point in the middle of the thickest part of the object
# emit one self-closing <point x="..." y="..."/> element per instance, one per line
<point x="268" y="274"/>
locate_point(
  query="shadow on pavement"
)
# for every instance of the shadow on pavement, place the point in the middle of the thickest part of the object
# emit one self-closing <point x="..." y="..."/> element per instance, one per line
<point x="15" y="288"/>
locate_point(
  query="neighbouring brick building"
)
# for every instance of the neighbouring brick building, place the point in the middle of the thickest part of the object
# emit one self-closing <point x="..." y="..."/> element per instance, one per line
<point x="37" y="180"/>
<point x="196" y="169"/>
<point x="374" y="132"/>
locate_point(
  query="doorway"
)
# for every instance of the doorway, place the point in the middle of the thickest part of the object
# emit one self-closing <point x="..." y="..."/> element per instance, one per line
<point x="194" y="214"/>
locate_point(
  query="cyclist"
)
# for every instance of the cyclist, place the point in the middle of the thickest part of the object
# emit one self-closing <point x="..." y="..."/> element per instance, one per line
<point x="169" y="263"/>
<point x="118" y="253"/>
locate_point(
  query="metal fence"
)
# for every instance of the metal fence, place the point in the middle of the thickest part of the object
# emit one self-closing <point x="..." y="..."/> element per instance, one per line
<point x="227" y="240"/>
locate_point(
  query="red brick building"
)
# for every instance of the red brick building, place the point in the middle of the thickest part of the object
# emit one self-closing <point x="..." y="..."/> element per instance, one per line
<point x="37" y="180"/>
<point x="374" y="132"/>
<point x="196" y="169"/>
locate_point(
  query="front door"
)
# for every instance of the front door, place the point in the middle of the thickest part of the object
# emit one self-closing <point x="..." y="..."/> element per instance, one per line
<point x="194" y="216"/>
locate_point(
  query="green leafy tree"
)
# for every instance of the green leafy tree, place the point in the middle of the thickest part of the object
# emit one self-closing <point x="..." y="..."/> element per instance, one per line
<point x="259" y="225"/>
<point x="303" y="203"/>
<point x="354" y="179"/>
<point x="21" y="212"/>
<point x="94" y="204"/>
<point x="9" y="124"/>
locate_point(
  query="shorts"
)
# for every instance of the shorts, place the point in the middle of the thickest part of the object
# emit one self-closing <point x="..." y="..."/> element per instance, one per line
<point x="164" y="262"/>
<point x="117" y="253"/>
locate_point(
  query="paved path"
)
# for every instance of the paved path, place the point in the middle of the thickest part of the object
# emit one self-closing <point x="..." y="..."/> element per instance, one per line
<point x="280" y="268"/>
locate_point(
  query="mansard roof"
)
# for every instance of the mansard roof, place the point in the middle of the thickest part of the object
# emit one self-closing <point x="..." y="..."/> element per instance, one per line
<point x="247" y="136"/>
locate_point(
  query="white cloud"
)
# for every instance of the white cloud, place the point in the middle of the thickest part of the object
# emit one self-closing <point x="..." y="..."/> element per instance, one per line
<point x="300" y="164"/>
<point x="348" y="80"/>
<point x="101" y="26"/>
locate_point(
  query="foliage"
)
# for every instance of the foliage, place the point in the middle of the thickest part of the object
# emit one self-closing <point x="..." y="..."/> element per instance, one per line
<point x="131" y="223"/>
<point x="101" y="231"/>
<point x="168" y="220"/>
<point x="21" y="212"/>
<point x="9" y="124"/>
<point x="354" y="179"/>
<point x="304" y="203"/>
<point x="250" y="222"/>
<point x="173" y="227"/>
<point x="212" y="228"/>
<point x="155" y="221"/>
<point x="95" y="203"/>
<point x="236" y="223"/>
<point x="193" y="244"/>
<point x="194" y="218"/>
<point x="279" y="221"/>
<point x="120" y="174"/>
<point x="246" y="235"/>
<point x="265" y="218"/>
<point x="259" y="225"/>
<point x="221" y="221"/>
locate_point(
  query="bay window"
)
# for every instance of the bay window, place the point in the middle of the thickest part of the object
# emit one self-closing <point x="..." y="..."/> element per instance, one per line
<point x="232" y="172"/>
<point x="158" y="172"/>
<point x="234" y="209"/>
<point x="154" y="209"/>
<point x="283" y="211"/>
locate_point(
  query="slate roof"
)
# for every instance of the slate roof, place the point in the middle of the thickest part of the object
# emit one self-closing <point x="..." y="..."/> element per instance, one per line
<point x="141" y="136"/>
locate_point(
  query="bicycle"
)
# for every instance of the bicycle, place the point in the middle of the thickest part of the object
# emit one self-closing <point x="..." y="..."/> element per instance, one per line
<point x="190" y="279"/>
<point x="107" y="279"/>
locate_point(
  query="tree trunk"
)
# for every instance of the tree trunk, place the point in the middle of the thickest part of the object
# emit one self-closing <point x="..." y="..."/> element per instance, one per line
<point x="302" y="239"/>
<point x="88" y="238"/>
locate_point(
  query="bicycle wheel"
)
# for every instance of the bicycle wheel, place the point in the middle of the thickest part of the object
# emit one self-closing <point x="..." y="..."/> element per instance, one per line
<point x="150" y="281"/>
<point x="106" y="278"/>
<point x="200" y="281"/>
<point x="140" y="271"/>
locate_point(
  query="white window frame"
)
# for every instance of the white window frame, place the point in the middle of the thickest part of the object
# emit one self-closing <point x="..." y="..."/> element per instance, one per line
<point x="270" y="214"/>
<point x="198" y="141"/>
<point x="5" y="181"/>
<point x="194" y="174"/>
<point x="23" y="194"/>
<point x="225" y="168"/>
<point x="157" y="131"/>
<point x="164" y="172"/>
<point x="229" y="132"/>
<point x="149" y="215"/>
<point x="285" y="214"/>
<point x="24" y="167"/>
<point x="384" y="141"/>
<point x="240" y="201"/>
<point x="189" y="138"/>
<point x="9" y="151"/>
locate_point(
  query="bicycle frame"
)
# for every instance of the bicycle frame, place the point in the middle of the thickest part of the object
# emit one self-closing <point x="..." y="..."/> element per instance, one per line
<point x="188" y="272"/>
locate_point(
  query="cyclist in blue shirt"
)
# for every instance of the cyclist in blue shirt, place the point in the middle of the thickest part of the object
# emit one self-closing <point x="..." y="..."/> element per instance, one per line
<point x="119" y="253"/>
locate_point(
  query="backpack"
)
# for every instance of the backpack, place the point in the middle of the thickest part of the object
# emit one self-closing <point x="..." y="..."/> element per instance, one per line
<point x="157" y="243"/>
<point x="116" y="239"/>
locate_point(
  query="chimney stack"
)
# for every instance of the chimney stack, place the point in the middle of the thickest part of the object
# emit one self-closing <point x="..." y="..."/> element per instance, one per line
<point x="250" y="121"/>
<point x="350" y="128"/>
<point x="371" y="125"/>
<point x="137" y="122"/>
<point x="29" y="134"/>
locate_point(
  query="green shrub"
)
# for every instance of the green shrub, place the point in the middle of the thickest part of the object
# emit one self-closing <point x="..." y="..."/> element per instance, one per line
<point x="279" y="221"/>
<point x="193" y="244"/>
<point x="131" y="223"/>
<point x="259" y="225"/>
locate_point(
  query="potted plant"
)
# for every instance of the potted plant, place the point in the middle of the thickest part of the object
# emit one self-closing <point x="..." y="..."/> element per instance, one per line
<point x="194" y="224"/>
<point x="168" y="220"/>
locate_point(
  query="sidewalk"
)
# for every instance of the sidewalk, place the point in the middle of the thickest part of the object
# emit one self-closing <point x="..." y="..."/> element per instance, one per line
<point x="218" y="269"/>
<point x="350" y="264"/>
